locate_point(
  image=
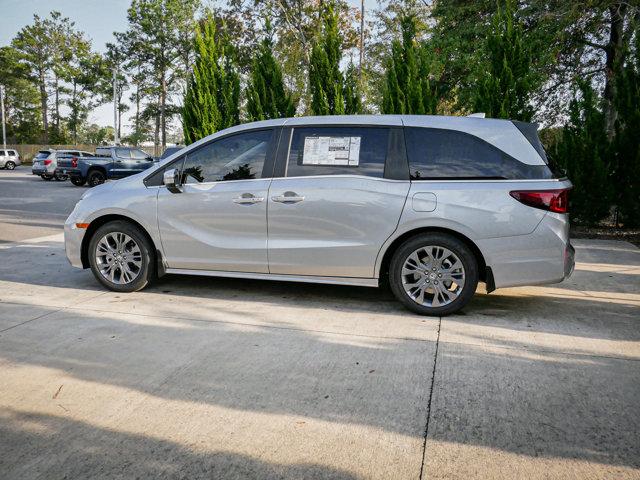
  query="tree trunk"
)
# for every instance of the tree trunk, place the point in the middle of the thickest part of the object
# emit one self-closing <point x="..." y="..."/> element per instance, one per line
<point x="57" y="106"/>
<point x="613" y="65"/>
<point x="75" y="114"/>
<point x="156" y="138"/>
<point x="43" y="104"/>
<point x="163" y="101"/>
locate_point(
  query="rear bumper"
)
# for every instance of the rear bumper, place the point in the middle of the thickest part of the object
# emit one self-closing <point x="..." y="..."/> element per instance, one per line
<point x="543" y="257"/>
<point x="72" y="172"/>
<point x="39" y="170"/>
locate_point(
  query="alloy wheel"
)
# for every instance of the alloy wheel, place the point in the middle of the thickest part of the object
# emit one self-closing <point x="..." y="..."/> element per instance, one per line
<point x="118" y="258"/>
<point x="433" y="276"/>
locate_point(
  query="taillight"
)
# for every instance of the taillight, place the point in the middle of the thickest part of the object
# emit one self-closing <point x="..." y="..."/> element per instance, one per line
<point x="48" y="162"/>
<point x="553" y="200"/>
<point x="74" y="162"/>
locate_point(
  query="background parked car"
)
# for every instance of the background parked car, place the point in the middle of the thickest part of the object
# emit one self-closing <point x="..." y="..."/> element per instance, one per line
<point x="45" y="163"/>
<point x="170" y="151"/>
<point x="9" y="158"/>
<point x="108" y="163"/>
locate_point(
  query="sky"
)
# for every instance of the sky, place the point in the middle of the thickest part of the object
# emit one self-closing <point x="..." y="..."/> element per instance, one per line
<point x="97" y="18"/>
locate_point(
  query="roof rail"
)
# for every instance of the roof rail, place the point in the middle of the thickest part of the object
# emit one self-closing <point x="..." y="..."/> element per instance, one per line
<point x="477" y="115"/>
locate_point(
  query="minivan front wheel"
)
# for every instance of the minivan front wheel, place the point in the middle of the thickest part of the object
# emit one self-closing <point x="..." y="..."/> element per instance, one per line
<point x="10" y="165"/>
<point x="433" y="274"/>
<point x="121" y="257"/>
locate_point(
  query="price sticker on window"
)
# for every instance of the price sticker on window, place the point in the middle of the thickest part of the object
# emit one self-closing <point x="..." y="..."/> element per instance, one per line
<point x="334" y="151"/>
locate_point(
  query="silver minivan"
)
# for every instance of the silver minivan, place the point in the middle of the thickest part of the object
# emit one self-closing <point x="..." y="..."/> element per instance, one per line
<point x="9" y="158"/>
<point x="430" y="205"/>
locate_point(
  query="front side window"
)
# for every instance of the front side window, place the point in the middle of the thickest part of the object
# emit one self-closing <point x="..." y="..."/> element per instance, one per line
<point x="438" y="154"/>
<point x="237" y="157"/>
<point x="338" y="151"/>
<point x="123" y="153"/>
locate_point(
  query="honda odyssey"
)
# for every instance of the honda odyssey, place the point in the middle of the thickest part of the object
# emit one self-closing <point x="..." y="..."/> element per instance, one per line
<point x="430" y="204"/>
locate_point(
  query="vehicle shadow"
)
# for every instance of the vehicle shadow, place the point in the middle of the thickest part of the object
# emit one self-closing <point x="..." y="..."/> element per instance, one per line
<point x="70" y="448"/>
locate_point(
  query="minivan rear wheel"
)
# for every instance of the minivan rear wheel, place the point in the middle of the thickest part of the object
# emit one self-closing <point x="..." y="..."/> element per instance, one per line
<point x="120" y="257"/>
<point x="433" y="274"/>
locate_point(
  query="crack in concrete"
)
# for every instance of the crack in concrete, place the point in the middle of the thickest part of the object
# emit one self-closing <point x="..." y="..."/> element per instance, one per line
<point x="433" y="381"/>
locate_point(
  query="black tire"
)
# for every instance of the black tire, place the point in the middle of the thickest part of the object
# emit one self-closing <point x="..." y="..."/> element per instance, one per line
<point x="96" y="177"/>
<point x="61" y="178"/>
<point x="48" y="178"/>
<point x="78" y="181"/>
<point x="455" y="246"/>
<point x="145" y="274"/>
<point x="10" y="165"/>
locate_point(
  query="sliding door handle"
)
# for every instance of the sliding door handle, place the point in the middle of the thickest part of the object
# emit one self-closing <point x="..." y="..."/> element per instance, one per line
<point x="288" y="197"/>
<point x="247" y="199"/>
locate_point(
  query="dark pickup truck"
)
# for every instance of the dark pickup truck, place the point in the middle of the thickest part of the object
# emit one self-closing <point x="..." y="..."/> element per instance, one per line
<point x="109" y="163"/>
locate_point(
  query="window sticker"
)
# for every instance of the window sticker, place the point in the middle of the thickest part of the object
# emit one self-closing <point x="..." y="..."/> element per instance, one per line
<point x="341" y="151"/>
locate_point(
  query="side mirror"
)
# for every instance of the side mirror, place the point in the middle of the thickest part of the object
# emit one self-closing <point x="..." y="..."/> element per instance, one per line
<point x="172" y="180"/>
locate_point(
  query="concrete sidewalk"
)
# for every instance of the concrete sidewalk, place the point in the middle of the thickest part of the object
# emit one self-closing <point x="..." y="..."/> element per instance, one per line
<point x="221" y="378"/>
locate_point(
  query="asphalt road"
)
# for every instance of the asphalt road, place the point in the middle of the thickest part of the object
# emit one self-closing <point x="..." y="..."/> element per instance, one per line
<point x="31" y="207"/>
<point x="222" y="378"/>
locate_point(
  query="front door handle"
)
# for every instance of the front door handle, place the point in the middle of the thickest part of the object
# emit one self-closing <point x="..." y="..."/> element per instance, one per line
<point x="247" y="199"/>
<point x="288" y="197"/>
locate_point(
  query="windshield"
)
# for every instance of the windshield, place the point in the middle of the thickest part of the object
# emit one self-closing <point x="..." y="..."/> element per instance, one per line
<point x="42" y="155"/>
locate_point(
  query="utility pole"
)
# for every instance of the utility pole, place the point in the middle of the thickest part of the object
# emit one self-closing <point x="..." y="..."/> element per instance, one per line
<point x="361" y="41"/>
<point x="4" y="131"/>
<point x="116" y="140"/>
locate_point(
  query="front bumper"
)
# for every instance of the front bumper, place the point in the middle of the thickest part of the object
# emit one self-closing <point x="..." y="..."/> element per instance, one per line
<point x="73" y="237"/>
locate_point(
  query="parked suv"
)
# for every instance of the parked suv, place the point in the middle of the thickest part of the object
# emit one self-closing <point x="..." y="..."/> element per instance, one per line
<point x="9" y="158"/>
<point x="430" y="204"/>
<point x="45" y="163"/>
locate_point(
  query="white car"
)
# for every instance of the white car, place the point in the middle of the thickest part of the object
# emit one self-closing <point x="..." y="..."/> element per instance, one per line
<point x="9" y="158"/>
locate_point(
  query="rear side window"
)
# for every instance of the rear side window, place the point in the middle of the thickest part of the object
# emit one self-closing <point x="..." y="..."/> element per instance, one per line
<point x="438" y="154"/>
<point x="105" y="152"/>
<point x="139" y="154"/>
<point x="338" y="151"/>
<point x="2" y="154"/>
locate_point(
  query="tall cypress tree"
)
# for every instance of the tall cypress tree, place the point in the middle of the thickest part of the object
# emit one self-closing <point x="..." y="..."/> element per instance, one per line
<point x="505" y="88"/>
<point x="329" y="90"/>
<point x="352" y="101"/>
<point x="626" y="145"/>
<point x="408" y="87"/>
<point x="211" y="101"/>
<point x="584" y="153"/>
<point x="266" y="94"/>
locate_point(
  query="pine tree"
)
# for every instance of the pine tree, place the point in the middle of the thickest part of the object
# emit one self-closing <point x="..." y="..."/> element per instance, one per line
<point x="409" y="87"/>
<point x="583" y="152"/>
<point x="326" y="82"/>
<point x="504" y="90"/>
<point x="266" y="94"/>
<point x="211" y="101"/>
